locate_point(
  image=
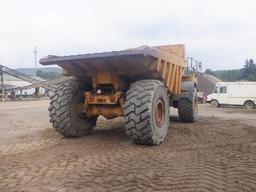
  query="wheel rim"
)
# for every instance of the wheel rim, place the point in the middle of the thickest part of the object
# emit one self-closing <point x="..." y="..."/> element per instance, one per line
<point x="160" y="113"/>
<point x="214" y="103"/>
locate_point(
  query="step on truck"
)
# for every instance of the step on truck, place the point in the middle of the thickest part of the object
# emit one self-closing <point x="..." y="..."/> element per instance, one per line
<point x="140" y="84"/>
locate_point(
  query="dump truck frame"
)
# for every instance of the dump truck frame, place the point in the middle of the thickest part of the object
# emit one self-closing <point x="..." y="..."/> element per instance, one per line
<point x="139" y="84"/>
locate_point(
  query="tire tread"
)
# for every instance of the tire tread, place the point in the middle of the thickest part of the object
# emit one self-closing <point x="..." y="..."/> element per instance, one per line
<point x="137" y="111"/>
<point x="59" y="110"/>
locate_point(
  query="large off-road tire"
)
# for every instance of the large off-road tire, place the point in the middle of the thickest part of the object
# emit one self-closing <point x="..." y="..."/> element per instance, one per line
<point x="188" y="108"/>
<point x="146" y="112"/>
<point x="65" y="110"/>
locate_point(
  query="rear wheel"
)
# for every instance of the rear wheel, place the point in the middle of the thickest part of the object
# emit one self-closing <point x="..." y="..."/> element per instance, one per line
<point x="188" y="108"/>
<point x="66" y="110"/>
<point x="214" y="103"/>
<point x="146" y="112"/>
<point x="249" y="104"/>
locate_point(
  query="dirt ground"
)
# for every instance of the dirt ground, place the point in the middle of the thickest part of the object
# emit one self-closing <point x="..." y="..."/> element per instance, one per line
<point x="217" y="153"/>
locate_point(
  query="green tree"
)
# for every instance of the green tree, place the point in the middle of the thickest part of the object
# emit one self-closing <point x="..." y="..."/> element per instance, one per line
<point x="249" y="70"/>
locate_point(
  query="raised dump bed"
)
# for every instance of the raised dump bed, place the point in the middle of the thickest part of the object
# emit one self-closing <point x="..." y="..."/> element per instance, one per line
<point x="139" y="84"/>
<point x="163" y="62"/>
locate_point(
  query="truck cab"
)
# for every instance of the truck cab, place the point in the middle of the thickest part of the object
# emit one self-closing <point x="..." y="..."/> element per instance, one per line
<point x="219" y="96"/>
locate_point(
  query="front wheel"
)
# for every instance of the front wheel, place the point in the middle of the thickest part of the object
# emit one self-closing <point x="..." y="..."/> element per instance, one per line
<point x="146" y="112"/>
<point x="214" y="103"/>
<point x="66" y="110"/>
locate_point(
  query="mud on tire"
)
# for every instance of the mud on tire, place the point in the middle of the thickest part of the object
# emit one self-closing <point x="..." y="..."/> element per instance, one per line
<point x="146" y="112"/>
<point x="64" y="110"/>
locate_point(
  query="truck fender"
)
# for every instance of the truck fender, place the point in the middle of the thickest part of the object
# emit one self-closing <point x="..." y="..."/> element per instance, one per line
<point x="187" y="89"/>
<point x="188" y="86"/>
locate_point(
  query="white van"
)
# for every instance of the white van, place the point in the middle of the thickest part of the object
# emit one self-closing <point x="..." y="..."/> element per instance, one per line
<point x="234" y="93"/>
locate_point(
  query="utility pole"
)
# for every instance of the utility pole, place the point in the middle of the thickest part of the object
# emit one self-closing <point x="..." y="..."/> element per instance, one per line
<point x="35" y="52"/>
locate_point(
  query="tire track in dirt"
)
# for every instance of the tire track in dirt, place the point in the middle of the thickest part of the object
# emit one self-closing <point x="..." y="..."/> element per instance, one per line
<point x="209" y="155"/>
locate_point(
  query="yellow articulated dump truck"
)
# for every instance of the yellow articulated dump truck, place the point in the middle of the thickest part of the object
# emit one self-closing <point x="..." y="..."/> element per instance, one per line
<point x="140" y="84"/>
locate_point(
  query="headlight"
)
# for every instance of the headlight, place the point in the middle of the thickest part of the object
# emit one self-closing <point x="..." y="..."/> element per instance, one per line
<point x="99" y="91"/>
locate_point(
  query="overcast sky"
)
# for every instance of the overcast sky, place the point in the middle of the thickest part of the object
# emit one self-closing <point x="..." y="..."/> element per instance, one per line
<point x="220" y="33"/>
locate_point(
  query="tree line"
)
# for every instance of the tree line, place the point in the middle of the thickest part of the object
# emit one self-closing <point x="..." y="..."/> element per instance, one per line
<point x="247" y="73"/>
<point x="48" y="75"/>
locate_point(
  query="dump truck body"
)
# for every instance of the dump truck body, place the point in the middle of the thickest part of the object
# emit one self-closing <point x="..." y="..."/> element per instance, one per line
<point x="163" y="62"/>
<point x="114" y="84"/>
